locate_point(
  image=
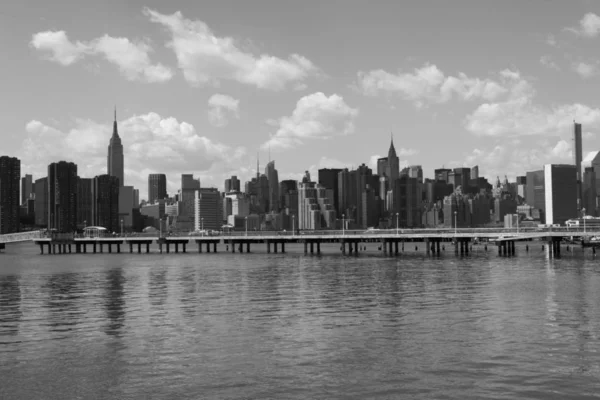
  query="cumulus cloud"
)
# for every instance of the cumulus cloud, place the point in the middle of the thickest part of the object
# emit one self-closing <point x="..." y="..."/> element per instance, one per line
<point x="428" y="84"/>
<point x="152" y="143"/>
<point x="547" y="62"/>
<point x="316" y="116"/>
<point x="585" y="70"/>
<point x="206" y="58"/>
<point x="132" y="58"/>
<point x="589" y="26"/>
<point x="517" y="114"/>
<point x="221" y="108"/>
<point x="506" y="159"/>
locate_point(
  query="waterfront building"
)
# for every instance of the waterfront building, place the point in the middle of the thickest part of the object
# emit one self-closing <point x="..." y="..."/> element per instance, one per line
<point x="62" y="196"/>
<point x="157" y="187"/>
<point x="41" y="202"/>
<point x="105" y="202"/>
<point x="273" y="188"/>
<point x="208" y="212"/>
<point x="84" y="202"/>
<point x="10" y="179"/>
<point x="577" y="159"/>
<point x="503" y="206"/>
<point x="314" y="209"/>
<point x="328" y="178"/>
<point x="590" y="198"/>
<point x="27" y="188"/>
<point x="535" y="193"/>
<point x="126" y="205"/>
<point x="560" y="192"/>
<point x="115" y="161"/>
<point x="405" y="198"/>
<point x="189" y="186"/>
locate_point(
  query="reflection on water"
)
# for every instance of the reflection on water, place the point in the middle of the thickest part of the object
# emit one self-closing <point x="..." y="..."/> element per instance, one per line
<point x="294" y="326"/>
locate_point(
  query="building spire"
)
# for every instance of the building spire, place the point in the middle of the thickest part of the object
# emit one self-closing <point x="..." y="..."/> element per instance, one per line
<point x="257" y="168"/>
<point x="115" y="113"/>
<point x="115" y="131"/>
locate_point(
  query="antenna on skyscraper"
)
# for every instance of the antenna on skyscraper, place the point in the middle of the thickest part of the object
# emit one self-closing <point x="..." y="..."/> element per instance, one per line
<point x="257" y="169"/>
<point x="115" y="113"/>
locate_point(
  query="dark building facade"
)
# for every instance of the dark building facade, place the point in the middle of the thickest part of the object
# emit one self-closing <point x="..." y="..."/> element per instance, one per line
<point x="535" y="192"/>
<point x="157" y="187"/>
<point x="84" y="202"/>
<point x="105" y="202"/>
<point x="10" y="179"/>
<point x="328" y="178"/>
<point x="41" y="202"/>
<point x="62" y="196"/>
<point x="232" y="184"/>
<point x="27" y="188"/>
<point x="560" y="192"/>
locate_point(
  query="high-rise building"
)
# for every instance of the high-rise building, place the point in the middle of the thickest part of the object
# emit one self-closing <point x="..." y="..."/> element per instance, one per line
<point x="26" y="188"/>
<point x="105" y="202"/>
<point x="441" y="174"/>
<point x="232" y="184"/>
<point x="126" y="205"/>
<point x="115" y="162"/>
<point x="41" y="202"/>
<point x="328" y="178"/>
<point x="406" y="202"/>
<point x="535" y="193"/>
<point x="189" y="186"/>
<point x="273" y="191"/>
<point x="10" y="175"/>
<point x="475" y="172"/>
<point x="560" y="192"/>
<point x="462" y="177"/>
<point x="577" y="155"/>
<point x="393" y="163"/>
<point x="589" y="191"/>
<point x="157" y="187"/>
<point x="416" y="171"/>
<point x="84" y="202"/>
<point x="208" y="213"/>
<point x="62" y="196"/>
<point x="314" y="209"/>
<point x="382" y="166"/>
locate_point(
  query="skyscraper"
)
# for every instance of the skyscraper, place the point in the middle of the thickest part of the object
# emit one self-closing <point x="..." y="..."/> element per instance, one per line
<point x="577" y="155"/>
<point x="26" y="188"/>
<point x="189" y="186"/>
<point x="10" y="175"/>
<point x="62" y="196"/>
<point x="115" y="164"/>
<point x="41" y="202"/>
<point x="273" y="191"/>
<point x="157" y="187"/>
<point x="232" y="184"/>
<point x="560" y="192"/>
<point x="105" y="202"/>
<point x="393" y="163"/>
<point x="84" y="202"/>
<point x="328" y="178"/>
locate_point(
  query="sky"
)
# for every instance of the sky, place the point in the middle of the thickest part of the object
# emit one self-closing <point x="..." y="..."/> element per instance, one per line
<point x="208" y="87"/>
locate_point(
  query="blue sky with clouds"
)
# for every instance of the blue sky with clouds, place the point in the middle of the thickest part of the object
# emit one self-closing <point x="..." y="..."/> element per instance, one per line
<point x="202" y="87"/>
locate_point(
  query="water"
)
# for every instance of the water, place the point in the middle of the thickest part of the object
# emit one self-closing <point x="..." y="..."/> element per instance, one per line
<point x="273" y="326"/>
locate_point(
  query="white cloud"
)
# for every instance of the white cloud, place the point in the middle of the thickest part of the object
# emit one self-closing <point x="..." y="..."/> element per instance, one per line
<point x="221" y="108"/>
<point x="152" y="144"/>
<point x="132" y="58"/>
<point x="428" y="84"/>
<point x="551" y="41"/>
<point x="547" y="62"/>
<point x="505" y="159"/>
<point x="585" y="70"/>
<point x="518" y="115"/>
<point x="589" y="26"/>
<point x="62" y="50"/>
<point x="206" y="58"/>
<point x="316" y="116"/>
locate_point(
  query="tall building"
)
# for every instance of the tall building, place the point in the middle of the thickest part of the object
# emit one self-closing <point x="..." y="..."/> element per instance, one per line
<point x="41" y="202"/>
<point x="314" y="209"/>
<point x="26" y="188"/>
<point x="84" y="202"/>
<point x="105" y="202"/>
<point x="62" y="196"/>
<point x="382" y="164"/>
<point x="589" y="192"/>
<point x="328" y="178"/>
<point x="126" y="205"/>
<point x="115" y="163"/>
<point x="535" y="193"/>
<point x="441" y="174"/>
<point x="416" y="171"/>
<point x="273" y="191"/>
<point x="208" y="213"/>
<point x="393" y="163"/>
<point x="475" y="172"/>
<point x="157" y="187"/>
<point x="577" y="155"/>
<point x="232" y="184"/>
<point x="560" y="193"/>
<point x="10" y="178"/>
<point x="189" y="186"/>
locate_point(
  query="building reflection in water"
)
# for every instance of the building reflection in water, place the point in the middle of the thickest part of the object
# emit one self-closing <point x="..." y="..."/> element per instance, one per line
<point x="115" y="301"/>
<point x="63" y="302"/>
<point x="10" y="305"/>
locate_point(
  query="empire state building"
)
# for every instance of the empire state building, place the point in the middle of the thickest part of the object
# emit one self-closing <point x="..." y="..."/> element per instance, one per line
<point x="115" y="154"/>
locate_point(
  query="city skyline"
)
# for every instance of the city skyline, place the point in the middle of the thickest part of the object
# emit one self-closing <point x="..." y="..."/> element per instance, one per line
<point x="466" y="99"/>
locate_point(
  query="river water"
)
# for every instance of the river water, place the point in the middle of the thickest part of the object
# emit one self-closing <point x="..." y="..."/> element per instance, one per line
<point x="275" y="326"/>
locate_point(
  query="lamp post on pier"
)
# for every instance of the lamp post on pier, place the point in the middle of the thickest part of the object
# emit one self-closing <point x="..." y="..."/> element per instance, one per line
<point x="397" y="224"/>
<point x="455" y="223"/>
<point x="246" y="218"/>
